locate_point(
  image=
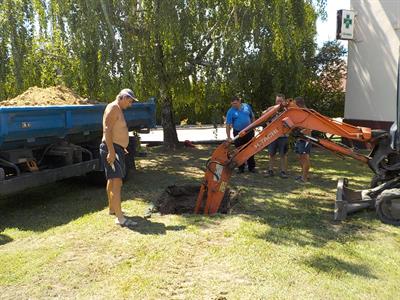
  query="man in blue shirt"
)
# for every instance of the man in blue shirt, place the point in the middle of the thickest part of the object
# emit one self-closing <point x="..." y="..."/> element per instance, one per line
<point x="238" y="117"/>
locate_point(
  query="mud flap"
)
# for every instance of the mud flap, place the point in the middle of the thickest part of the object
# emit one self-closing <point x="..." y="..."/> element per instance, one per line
<point x="349" y="201"/>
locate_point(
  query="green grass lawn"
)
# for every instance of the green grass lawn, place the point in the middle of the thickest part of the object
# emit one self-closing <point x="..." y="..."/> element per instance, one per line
<point x="279" y="242"/>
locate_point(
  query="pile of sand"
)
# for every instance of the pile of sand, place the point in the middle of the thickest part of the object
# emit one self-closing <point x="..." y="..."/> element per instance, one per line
<point x="55" y="95"/>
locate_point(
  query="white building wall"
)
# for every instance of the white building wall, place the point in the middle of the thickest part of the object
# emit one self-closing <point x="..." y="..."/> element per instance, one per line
<point x="372" y="61"/>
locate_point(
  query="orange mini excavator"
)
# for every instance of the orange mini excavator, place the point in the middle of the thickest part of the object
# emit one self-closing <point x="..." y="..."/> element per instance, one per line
<point x="384" y="160"/>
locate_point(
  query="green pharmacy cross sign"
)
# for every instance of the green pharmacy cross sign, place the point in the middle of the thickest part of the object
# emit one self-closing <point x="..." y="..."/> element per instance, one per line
<point x="345" y="24"/>
<point x="347" y="21"/>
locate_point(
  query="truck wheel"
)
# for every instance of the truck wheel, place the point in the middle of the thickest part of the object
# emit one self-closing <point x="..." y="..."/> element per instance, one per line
<point x="388" y="206"/>
<point x="130" y="157"/>
<point x="2" y="174"/>
<point x="97" y="178"/>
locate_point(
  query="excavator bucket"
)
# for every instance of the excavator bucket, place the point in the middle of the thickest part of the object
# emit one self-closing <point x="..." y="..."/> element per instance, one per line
<point x="216" y="180"/>
<point x="384" y="198"/>
<point x="349" y="201"/>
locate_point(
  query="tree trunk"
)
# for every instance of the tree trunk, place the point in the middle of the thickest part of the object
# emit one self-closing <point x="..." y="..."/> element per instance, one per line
<point x="170" y="136"/>
<point x="167" y="114"/>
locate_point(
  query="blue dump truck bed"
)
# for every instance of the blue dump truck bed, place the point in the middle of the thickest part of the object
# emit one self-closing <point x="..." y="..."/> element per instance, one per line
<point x="40" y="145"/>
<point x="29" y="127"/>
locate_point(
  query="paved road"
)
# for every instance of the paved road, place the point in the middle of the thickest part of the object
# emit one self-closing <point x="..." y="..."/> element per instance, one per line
<point x="205" y="133"/>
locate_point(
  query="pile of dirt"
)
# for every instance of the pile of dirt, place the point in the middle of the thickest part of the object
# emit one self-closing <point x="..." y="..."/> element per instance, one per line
<point x="55" y="95"/>
<point x="182" y="199"/>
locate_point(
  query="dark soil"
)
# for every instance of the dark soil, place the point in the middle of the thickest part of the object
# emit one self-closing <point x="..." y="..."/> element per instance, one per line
<point x="182" y="199"/>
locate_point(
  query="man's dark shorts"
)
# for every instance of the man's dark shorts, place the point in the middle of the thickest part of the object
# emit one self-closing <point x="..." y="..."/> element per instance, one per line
<point x="302" y="147"/>
<point x="119" y="170"/>
<point x="280" y="145"/>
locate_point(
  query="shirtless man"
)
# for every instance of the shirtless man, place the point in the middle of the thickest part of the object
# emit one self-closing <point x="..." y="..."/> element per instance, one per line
<point x="112" y="152"/>
<point x="280" y="145"/>
<point x="303" y="149"/>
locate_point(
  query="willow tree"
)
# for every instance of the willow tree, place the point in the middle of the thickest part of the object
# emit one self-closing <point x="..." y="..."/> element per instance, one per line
<point x="193" y="55"/>
<point x="172" y="40"/>
<point x="16" y="35"/>
<point x="254" y="48"/>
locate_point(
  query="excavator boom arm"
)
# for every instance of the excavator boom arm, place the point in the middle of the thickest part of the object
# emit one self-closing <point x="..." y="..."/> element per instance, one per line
<point x="295" y="117"/>
<point x="281" y="120"/>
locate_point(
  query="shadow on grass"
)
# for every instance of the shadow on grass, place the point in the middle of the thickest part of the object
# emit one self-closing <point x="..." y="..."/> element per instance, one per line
<point x="302" y="214"/>
<point x="53" y="205"/>
<point x="63" y="202"/>
<point x="305" y="220"/>
<point x="296" y="213"/>
<point x="49" y="206"/>
<point x="337" y="267"/>
<point x="4" y="239"/>
<point x="146" y="226"/>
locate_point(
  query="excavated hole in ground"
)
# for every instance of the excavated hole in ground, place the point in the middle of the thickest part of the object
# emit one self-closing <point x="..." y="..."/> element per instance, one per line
<point x="182" y="199"/>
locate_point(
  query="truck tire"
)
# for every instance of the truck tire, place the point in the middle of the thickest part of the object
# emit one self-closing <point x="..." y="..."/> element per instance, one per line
<point x="130" y="157"/>
<point x="2" y="174"/>
<point x="96" y="178"/>
<point x="388" y="206"/>
<point x="130" y="166"/>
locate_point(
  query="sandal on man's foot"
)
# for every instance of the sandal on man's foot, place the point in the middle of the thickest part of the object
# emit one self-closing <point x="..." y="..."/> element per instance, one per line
<point x="269" y="173"/>
<point x="300" y="179"/>
<point x="126" y="223"/>
<point x="111" y="213"/>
